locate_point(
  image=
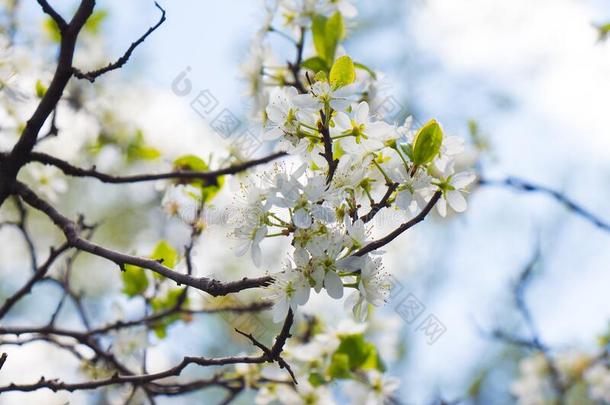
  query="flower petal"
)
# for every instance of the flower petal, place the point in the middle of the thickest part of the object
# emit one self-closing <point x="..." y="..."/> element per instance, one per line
<point x="441" y="207"/>
<point x="256" y="254"/>
<point x="333" y="285"/>
<point x="456" y="201"/>
<point x="302" y="219"/>
<point x="342" y="121"/>
<point x="462" y="179"/>
<point x="362" y="112"/>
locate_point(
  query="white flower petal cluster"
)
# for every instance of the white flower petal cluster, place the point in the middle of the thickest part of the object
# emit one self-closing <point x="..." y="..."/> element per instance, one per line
<point x="320" y="216"/>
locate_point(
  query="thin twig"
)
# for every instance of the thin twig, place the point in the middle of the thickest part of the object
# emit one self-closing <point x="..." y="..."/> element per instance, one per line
<point x="91" y="76"/>
<point x="524" y="185"/>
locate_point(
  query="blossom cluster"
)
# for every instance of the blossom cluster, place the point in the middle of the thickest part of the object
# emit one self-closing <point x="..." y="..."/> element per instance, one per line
<point x="581" y="375"/>
<point x="350" y="162"/>
<point x="321" y="355"/>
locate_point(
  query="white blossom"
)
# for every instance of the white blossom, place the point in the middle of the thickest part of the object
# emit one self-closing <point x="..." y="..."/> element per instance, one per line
<point x="181" y="201"/>
<point x="288" y="290"/>
<point x="377" y="390"/>
<point x="453" y="189"/>
<point x="48" y="181"/>
<point x="598" y="379"/>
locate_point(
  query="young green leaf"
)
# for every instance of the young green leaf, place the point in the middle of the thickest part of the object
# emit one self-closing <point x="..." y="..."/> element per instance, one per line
<point x="339" y="366"/>
<point x="170" y="300"/>
<point x="315" y="64"/>
<point x="40" y="89"/>
<point x="318" y="31"/>
<point x="327" y="32"/>
<point x="135" y="281"/>
<point x="335" y="31"/>
<point x="316" y="379"/>
<point x="407" y="149"/>
<point x="160" y="304"/>
<point x="138" y="150"/>
<point x="367" y="69"/>
<point x="342" y="73"/>
<point x="209" y="189"/>
<point x="427" y="144"/>
<point x="165" y="252"/>
<point x="356" y="348"/>
<point x="190" y="163"/>
<point x="94" y="22"/>
<point x="51" y="29"/>
<point x="360" y="355"/>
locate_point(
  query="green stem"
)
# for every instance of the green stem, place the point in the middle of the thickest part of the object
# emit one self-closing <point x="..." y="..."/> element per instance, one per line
<point x="308" y="126"/>
<point x="385" y="176"/>
<point x="342" y="136"/>
<point x="401" y="157"/>
<point x="273" y="235"/>
<point x="284" y="223"/>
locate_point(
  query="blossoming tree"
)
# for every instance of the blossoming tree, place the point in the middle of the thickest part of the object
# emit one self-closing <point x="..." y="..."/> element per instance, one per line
<point x="334" y="167"/>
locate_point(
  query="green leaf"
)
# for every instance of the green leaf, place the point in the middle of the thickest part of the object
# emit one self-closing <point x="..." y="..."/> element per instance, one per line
<point x="362" y="355"/>
<point x="321" y="76"/>
<point x="135" y="281"/>
<point x="41" y="89"/>
<point x="316" y="380"/>
<point x="318" y="31"/>
<point x="166" y="253"/>
<point x="373" y="361"/>
<point x="367" y="69"/>
<point x="342" y="73"/>
<point x="356" y="348"/>
<point x="190" y="163"/>
<point x="339" y="366"/>
<point x="160" y="330"/>
<point x="427" y="144"/>
<point x="327" y="32"/>
<point x="50" y="28"/>
<point x="338" y="151"/>
<point x="335" y="31"/>
<point x="160" y="304"/>
<point x="407" y="148"/>
<point x="315" y="64"/>
<point x="94" y="22"/>
<point x="209" y="188"/>
<point x="138" y="150"/>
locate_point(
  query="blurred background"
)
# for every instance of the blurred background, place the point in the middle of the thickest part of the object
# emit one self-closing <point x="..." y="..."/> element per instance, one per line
<point x="533" y="76"/>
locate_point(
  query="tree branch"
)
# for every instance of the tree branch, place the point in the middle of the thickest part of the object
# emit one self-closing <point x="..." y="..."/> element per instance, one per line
<point x="71" y="232"/>
<point x="27" y="287"/>
<point x="91" y="76"/>
<point x="384" y="202"/>
<point x="268" y="355"/>
<point x="11" y="165"/>
<point x="74" y="171"/>
<point x="46" y="7"/>
<point x="524" y="185"/>
<point x="392" y="235"/>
